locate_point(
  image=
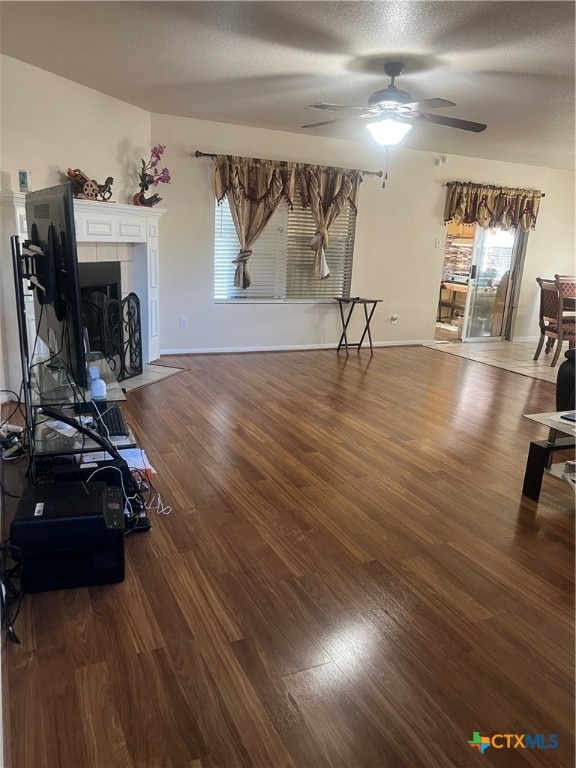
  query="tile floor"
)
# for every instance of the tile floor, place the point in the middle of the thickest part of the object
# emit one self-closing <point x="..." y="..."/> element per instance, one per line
<point x="150" y="374"/>
<point x="515" y="356"/>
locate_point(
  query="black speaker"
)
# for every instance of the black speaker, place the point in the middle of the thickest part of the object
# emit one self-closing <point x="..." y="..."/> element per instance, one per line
<point x="70" y="535"/>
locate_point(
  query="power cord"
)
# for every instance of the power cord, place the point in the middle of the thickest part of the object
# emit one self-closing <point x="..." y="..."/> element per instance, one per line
<point x="154" y="502"/>
<point x="11" y="562"/>
<point x="135" y="503"/>
<point x="6" y="493"/>
<point x="12" y="437"/>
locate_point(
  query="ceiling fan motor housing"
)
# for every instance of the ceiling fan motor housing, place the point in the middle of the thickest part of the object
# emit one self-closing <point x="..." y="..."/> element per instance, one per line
<point x="390" y="95"/>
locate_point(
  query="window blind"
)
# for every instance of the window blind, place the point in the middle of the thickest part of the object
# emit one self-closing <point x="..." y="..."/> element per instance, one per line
<point x="281" y="261"/>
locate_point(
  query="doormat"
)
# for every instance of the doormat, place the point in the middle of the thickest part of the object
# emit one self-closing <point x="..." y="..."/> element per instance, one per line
<point x="447" y="327"/>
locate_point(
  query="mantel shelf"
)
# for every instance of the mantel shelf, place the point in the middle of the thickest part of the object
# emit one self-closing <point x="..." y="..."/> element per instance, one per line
<point x="91" y="206"/>
<point x="99" y="221"/>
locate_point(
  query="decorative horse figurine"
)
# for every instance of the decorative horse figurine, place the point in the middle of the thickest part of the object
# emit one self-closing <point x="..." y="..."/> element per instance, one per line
<point x="105" y="190"/>
<point x="90" y="189"/>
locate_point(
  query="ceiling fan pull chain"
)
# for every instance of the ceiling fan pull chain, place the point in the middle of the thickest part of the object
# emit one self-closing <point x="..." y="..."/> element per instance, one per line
<point x="386" y="168"/>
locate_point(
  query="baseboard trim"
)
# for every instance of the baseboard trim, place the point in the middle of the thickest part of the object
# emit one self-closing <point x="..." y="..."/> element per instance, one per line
<point x="287" y="348"/>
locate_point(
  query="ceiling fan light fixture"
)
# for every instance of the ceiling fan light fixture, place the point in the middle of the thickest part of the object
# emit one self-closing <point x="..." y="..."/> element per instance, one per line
<point x="388" y="131"/>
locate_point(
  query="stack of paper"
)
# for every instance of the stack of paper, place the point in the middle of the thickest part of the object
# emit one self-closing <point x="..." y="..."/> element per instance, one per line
<point x="569" y="473"/>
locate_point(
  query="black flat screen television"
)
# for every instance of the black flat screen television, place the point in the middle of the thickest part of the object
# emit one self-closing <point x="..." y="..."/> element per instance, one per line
<point x="57" y="306"/>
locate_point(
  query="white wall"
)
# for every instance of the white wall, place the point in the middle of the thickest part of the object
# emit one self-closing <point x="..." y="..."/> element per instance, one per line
<point x="49" y="124"/>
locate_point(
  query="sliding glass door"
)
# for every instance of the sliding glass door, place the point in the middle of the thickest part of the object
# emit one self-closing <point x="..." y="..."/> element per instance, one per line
<point x="495" y="275"/>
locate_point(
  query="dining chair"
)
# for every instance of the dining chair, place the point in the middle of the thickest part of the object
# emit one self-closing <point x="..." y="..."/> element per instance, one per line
<point x="548" y="314"/>
<point x="566" y="285"/>
<point x="557" y="317"/>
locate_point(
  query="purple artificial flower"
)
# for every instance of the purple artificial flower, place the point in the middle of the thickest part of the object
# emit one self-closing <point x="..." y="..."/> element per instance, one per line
<point x="149" y="174"/>
<point x="163" y="177"/>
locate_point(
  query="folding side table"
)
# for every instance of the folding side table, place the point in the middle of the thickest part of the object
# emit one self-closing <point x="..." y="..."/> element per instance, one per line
<point x="346" y="320"/>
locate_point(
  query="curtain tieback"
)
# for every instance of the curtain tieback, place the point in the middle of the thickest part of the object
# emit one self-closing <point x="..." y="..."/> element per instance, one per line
<point x="320" y="239"/>
<point x="243" y="256"/>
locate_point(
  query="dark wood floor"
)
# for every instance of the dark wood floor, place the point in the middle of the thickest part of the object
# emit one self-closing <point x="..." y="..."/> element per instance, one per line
<point x="349" y="577"/>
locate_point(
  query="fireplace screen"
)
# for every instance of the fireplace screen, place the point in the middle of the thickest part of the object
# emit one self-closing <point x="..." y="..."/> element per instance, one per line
<point x="115" y="330"/>
<point x="123" y="336"/>
<point x="112" y="324"/>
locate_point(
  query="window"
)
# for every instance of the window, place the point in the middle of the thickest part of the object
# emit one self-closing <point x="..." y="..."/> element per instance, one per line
<point x="281" y="262"/>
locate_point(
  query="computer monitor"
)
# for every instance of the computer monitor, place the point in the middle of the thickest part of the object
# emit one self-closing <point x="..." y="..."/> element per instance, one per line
<point x="57" y="301"/>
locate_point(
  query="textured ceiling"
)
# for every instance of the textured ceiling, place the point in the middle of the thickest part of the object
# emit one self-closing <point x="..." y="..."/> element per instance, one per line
<point x="507" y="64"/>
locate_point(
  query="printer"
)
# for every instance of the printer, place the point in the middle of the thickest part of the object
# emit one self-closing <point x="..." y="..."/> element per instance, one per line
<point x="71" y="534"/>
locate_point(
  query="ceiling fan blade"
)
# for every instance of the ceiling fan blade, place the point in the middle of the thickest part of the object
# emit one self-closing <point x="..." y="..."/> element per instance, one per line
<point x="429" y="104"/>
<point x="337" y="120"/>
<point x="452" y="122"/>
<point x="334" y="107"/>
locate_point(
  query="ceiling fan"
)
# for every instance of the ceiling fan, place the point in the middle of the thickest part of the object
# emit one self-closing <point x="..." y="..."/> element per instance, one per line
<point x="397" y="111"/>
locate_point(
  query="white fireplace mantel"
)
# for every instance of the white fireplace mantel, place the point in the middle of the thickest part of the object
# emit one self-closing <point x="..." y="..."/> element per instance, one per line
<point x="101" y="222"/>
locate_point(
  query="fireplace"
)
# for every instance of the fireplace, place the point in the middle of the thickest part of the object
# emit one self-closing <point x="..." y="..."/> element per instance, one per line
<point x="99" y="282"/>
<point x="112" y="324"/>
<point x="106" y="230"/>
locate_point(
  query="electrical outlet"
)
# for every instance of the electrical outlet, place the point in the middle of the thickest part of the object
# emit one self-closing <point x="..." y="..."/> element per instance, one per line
<point x="183" y="321"/>
<point x="394" y="319"/>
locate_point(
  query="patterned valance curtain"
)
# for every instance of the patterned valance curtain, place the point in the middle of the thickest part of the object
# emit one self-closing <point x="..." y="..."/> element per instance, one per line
<point x="492" y="206"/>
<point x="326" y="191"/>
<point x="254" y="189"/>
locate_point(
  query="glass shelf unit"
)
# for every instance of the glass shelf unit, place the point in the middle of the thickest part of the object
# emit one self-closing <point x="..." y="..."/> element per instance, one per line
<point x="51" y="385"/>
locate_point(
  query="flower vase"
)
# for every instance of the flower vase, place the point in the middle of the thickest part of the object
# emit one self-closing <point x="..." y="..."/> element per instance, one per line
<point x="140" y="199"/>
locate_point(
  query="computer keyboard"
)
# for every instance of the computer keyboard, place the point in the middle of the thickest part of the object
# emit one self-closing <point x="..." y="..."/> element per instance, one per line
<point x="111" y="423"/>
